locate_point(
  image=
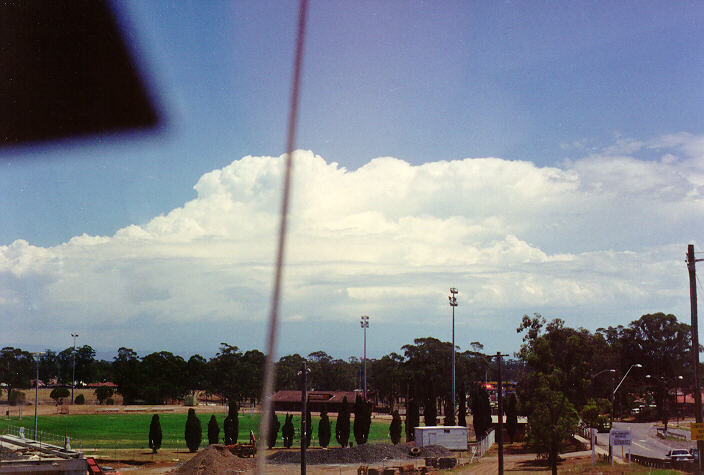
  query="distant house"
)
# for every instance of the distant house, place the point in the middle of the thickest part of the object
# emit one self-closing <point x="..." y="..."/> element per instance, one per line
<point x="317" y="400"/>
<point x="108" y="384"/>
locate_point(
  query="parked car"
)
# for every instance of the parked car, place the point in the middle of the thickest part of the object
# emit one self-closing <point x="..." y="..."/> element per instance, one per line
<point x="679" y="455"/>
<point x="695" y="454"/>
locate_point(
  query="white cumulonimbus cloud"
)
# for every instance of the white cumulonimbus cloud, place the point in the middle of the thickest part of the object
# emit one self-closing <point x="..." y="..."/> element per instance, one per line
<point x="597" y="238"/>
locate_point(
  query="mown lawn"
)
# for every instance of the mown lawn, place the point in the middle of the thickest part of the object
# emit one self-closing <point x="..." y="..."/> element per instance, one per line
<point x="130" y="431"/>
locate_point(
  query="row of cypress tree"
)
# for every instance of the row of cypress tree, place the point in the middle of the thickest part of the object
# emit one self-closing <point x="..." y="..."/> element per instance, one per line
<point x="360" y="428"/>
<point x="194" y="435"/>
<point x="362" y="423"/>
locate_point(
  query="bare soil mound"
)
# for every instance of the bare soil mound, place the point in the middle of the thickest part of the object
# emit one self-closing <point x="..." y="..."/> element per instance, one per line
<point x="366" y="453"/>
<point x="216" y="459"/>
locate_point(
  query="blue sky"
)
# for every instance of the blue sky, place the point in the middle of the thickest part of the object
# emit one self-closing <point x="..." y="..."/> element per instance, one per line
<point x="603" y="97"/>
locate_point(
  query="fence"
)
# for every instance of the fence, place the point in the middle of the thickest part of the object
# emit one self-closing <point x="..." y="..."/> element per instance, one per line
<point x="479" y="448"/>
<point x="42" y="437"/>
<point x="660" y="463"/>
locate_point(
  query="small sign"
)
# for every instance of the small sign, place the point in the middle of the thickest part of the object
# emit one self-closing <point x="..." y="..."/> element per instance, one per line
<point x="620" y="437"/>
<point x="697" y="430"/>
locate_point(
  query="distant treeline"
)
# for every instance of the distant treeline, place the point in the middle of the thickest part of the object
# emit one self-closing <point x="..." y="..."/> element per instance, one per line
<point x="421" y="370"/>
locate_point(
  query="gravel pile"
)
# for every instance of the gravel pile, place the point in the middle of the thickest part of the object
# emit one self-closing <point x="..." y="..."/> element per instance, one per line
<point x="366" y="453"/>
<point x="216" y="459"/>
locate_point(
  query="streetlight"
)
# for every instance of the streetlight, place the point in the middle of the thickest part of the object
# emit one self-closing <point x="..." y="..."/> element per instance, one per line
<point x="613" y="400"/>
<point x="453" y="304"/>
<point x="664" y="381"/>
<point x="603" y="371"/>
<point x="364" y="323"/>
<point x="613" y="394"/>
<point x="73" y="385"/>
<point x="36" y="393"/>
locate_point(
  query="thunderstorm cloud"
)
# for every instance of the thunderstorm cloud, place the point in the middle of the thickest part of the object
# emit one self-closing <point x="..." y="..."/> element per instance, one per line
<point x="598" y="240"/>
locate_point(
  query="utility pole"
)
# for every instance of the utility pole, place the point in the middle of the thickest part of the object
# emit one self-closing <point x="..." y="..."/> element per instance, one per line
<point x="500" y="434"/>
<point x="36" y="396"/>
<point x="611" y="419"/>
<point x="73" y="384"/>
<point x="304" y="414"/>
<point x="691" y="266"/>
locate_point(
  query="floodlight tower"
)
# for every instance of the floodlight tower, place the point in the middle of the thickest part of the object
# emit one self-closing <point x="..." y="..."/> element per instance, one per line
<point x="364" y="323"/>
<point x="73" y="384"/>
<point x="453" y="304"/>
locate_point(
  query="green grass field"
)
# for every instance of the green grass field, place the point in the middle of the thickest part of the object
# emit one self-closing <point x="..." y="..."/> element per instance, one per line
<point x="130" y="431"/>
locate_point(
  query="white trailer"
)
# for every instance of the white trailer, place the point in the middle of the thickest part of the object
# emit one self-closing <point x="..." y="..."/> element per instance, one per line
<point x="450" y="437"/>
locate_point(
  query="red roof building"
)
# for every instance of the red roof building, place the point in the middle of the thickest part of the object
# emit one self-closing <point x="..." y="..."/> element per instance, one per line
<point x="289" y="400"/>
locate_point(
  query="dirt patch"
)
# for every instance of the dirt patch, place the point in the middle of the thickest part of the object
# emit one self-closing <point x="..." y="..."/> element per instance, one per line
<point x="216" y="459"/>
<point x="363" y="454"/>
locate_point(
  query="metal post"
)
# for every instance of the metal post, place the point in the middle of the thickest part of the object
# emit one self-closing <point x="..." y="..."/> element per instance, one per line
<point x="364" y="323"/>
<point x="611" y="423"/>
<point x="36" y="397"/>
<point x="453" y="304"/>
<point x="501" y="416"/>
<point x="304" y="414"/>
<point x="73" y="384"/>
<point x="691" y="266"/>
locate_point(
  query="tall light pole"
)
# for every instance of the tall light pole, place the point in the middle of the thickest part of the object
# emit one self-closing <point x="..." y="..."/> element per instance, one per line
<point x="613" y="394"/>
<point x="453" y="304"/>
<point x="613" y="399"/>
<point x="36" y="394"/>
<point x="364" y="323"/>
<point x="73" y="384"/>
<point x="666" y="383"/>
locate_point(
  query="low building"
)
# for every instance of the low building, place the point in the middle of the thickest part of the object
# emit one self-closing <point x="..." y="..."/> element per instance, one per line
<point x="290" y="400"/>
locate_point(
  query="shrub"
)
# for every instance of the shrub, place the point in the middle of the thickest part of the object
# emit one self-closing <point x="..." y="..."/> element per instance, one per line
<point x="109" y="401"/>
<point x="80" y="399"/>
<point x="231" y="425"/>
<point x="430" y="412"/>
<point x="342" y="425"/>
<point x="103" y="393"/>
<point x="462" y="411"/>
<point x="481" y="411"/>
<point x="324" y="429"/>
<point x="273" y="430"/>
<point x="288" y="431"/>
<point x="155" y="433"/>
<point x="412" y="419"/>
<point x="58" y="394"/>
<point x="449" y="419"/>
<point x="395" y="428"/>
<point x="512" y="417"/>
<point x="194" y="431"/>
<point x="362" y="420"/>
<point x="309" y="427"/>
<point x="213" y="430"/>
<point x="16" y="397"/>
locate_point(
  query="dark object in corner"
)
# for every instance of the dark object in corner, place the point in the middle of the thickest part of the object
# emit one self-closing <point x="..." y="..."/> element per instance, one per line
<point x="65" y="71"/>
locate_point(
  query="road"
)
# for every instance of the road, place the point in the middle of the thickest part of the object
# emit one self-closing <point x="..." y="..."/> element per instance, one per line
<point x="644" y="440"/>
